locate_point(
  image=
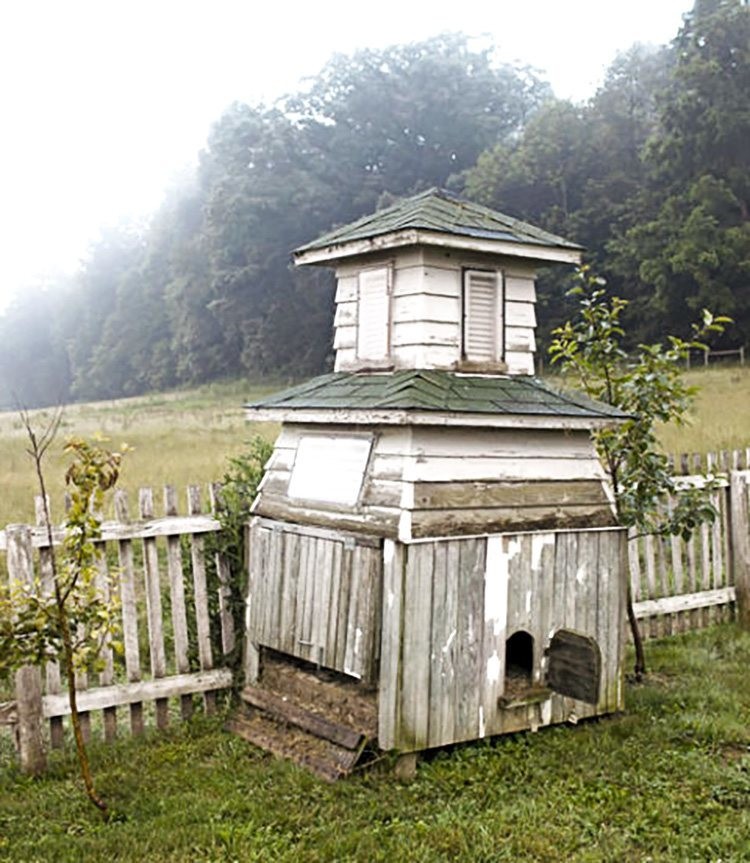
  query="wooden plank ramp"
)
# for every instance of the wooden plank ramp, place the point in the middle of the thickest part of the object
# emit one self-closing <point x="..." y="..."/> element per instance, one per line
<point x="315" y="718"/>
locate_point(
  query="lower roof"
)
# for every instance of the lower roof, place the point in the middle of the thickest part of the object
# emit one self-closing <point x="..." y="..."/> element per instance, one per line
<point x="432" y="397"/>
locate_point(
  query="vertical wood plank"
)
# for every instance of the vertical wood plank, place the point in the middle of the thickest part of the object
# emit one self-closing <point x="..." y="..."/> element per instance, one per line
<point x="389" y="706"/>
<point x="417" y="646"/>
<point x="28" y="679"/>
<point x="469" y="648"/>
<point x="494" y="626"/>
<point x="651" y="591"/>
<point x="322" y="601"/>
<point x="152" y="590"/>
<point x="740" y="546"/>
<point x="129" y="611"/>
<point x="107" y="675"/>
<point x="289" y="574"/>
<point x="200" y="592"/>
<point x="254" y="564"/>
<point x="342" y="603"/>
<point x="224" y="576"/>
<point x="52" y="669"/>
<point x="177" y="601"/>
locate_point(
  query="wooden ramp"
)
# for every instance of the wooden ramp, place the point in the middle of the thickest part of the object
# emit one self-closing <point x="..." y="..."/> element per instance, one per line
<point x="318" y="719"/>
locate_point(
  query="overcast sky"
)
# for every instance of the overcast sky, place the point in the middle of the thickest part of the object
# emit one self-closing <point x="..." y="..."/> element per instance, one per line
<point x="105" y="101"/>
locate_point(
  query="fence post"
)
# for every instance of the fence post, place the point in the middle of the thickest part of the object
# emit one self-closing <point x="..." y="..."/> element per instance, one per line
<point x="28" y="680"/>
<point x="740" y="544"/>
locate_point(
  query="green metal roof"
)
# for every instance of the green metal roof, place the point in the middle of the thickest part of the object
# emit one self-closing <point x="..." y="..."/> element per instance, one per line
<point x="447" y="392"/>
<point x="443" y="212"/>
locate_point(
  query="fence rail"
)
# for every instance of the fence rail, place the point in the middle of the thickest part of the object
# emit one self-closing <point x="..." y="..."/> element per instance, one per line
<point x="679" y="585"/>
<point x="174" y="609"/>
<point x="175" y="601"/>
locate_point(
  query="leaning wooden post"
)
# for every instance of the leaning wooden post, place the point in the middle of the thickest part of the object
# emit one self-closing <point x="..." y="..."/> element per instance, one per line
<point x="740" y="546"/>
<point x="28" y="680"/>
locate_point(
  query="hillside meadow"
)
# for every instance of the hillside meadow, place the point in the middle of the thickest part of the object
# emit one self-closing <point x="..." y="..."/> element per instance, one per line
<point x="187" y="436"/>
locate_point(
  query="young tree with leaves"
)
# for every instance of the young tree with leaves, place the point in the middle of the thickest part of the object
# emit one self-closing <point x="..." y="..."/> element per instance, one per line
<point x="72" y="622"/>
<point x="647" y="385"/>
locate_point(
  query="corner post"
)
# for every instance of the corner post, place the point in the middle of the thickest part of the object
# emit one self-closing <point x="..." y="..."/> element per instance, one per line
<point x="28" y="679"/>
<point x="740" y="544"/>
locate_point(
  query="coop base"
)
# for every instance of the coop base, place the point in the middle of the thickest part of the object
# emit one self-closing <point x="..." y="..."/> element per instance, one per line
<point x="316" y="719"/>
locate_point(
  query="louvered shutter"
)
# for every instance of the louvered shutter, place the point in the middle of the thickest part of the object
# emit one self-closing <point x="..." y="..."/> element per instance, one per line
<point x="374" y="314"/>
<point x="482" y="316"/>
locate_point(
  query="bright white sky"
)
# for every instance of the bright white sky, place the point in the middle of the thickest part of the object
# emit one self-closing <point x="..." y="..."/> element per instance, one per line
<point x="105" y="101"/>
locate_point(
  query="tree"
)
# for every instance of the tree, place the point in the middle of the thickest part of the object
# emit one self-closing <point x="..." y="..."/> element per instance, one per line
<point x="649" y="388"/>
<point x="76" y="619"/>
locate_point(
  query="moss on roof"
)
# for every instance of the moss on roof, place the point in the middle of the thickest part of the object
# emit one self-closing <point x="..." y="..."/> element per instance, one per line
<point x="443" y="212"/>
<point x="437" y="391"/>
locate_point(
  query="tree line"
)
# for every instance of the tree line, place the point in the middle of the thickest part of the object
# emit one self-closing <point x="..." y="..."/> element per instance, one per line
<point x="652" y="176"/>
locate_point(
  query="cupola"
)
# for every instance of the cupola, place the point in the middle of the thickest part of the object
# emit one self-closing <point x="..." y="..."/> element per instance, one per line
<point x="436" y="282"/>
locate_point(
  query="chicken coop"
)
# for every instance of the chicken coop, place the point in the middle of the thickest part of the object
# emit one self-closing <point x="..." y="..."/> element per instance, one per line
<point x="433" y="554"/>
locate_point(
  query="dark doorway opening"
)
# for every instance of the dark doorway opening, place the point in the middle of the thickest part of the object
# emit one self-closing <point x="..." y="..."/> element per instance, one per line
<point x="519" y="662"/>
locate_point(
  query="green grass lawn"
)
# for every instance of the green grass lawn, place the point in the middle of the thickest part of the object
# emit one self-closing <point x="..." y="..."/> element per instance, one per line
<point x="669" y="780"/>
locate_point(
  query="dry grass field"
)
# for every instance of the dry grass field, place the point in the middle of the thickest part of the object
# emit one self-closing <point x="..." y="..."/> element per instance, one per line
<point x="186" y="436"/>
<point x="176" y="438"/>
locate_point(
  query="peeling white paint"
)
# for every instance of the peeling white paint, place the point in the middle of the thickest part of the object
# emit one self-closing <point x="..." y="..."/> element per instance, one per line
<point x="538" y="543"/>
<point x="390" y="599"/>
<point x="528" y="602"/>
<point x="481" y="721"/>
<point x="572" y="718"/>
<point x="514" y="548"/>
<point x="496" y="586"/>
<point x="581" y="575"/>
<point x="389" y="549"/>
<point x="493" y="668"/>
<point x="545" y="709"/>
<point x="404" y="526"/>
<point x="447" y="645"/>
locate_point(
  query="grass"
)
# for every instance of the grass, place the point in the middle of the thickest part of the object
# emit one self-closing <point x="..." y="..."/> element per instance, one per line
<point x="669" y="780"/>
<point x="720" y="419"/>
<point x="186" y="436"/>
<point x="177" y="438"/>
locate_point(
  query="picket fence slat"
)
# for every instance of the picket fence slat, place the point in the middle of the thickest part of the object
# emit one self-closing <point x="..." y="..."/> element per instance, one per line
<point x="164" y="609"/>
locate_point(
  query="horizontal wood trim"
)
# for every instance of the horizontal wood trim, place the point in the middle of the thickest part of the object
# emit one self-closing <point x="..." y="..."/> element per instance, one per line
<point x="520" y="315"/>
<point x="379" y="522"/>
<point x="447" y="469"/>
<point x="133" y="693"/>
<point x="684" y="602"/>
<point x="436" y="419"/>
<point x="472" y="495"/>
<point x="285" y="711"/>
<point x="115" y="530"/>
<point x="460" y="522"/>
<point x="318" y="532"/>
<point x="412" y="237"/>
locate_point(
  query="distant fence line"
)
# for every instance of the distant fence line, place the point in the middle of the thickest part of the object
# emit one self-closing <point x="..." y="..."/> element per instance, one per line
<point x="168" y="612"/>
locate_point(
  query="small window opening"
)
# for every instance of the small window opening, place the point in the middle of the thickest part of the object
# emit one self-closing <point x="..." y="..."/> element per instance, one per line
<point x="519" y="662"/>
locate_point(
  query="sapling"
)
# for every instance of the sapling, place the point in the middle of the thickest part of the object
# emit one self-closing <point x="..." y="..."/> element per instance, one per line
<point x="70" y="619"/>
<point x="647" y="385"/>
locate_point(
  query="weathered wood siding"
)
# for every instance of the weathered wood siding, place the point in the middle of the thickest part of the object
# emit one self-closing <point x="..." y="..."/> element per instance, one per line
<point x="316" y="596"/>
<point x="426" y="308"/>
<point x="376" y="512"/>
<point x="449" y="607"/>
<point x="423" y="482"/>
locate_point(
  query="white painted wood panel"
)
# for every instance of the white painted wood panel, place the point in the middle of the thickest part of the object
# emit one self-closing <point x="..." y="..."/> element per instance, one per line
<point x="345" y="337"/>
<point x="346" y="289"/>
<point x="329" y="469"/>
<point x="519" y="314"/>
<point x="519" y="362"/>
<point x="502" y="443"/>
<point x="426" y="307"/>
<point x="425" y="333"/>
<point x="442" y="282"/>
<point x="346" y="359"/>
<point x="520" y="289"/>
<point x="423" y="356"/>
<point x="442" y="469"/>
<point x="520" y="339"/>
<point x="374" y="313"/>
<point x="346" y="315"/>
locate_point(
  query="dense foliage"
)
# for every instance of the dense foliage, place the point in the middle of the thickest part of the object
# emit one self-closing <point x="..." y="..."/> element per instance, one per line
<point x="652" y="176"/>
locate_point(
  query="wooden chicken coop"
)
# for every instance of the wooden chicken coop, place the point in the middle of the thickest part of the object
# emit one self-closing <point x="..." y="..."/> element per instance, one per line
<point x="434" y="555"/>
